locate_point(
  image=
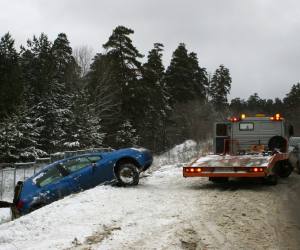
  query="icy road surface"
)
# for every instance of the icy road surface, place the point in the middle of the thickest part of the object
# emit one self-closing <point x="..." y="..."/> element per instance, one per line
<point x="165" y="211"/>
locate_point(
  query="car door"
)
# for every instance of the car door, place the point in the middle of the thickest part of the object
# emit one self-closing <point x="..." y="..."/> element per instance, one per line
<point x="102" y="170"/>
<point x="55" y="184"/>
<point x="82" y="169"/>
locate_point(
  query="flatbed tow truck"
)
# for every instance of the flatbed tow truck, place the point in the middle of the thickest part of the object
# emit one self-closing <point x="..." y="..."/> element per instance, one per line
<point x="246" y="147"/>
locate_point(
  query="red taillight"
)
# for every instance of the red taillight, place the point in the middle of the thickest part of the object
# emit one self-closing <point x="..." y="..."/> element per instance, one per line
<point x="192" y="170"/>
<point x="255" y="169"/>
<point x="234" y="119"/>
<point x="20" y="204"/>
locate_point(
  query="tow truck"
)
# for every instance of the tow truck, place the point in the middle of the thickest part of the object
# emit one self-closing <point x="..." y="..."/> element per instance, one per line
<point x="246" y="147"/>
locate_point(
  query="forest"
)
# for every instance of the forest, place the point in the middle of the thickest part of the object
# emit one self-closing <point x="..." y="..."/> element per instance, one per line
<point x="55" y="98"/>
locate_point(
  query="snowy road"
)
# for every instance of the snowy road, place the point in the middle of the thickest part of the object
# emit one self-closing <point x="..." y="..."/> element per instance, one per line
<point x="165" y="211"/>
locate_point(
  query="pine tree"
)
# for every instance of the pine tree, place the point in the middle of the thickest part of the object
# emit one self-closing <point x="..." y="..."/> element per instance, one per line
<point x="104" y="96"/>
<point x="126" y="66"/>
<point x="238" y="106"/>
<point x="291" y="106"/>
<point x="199" y="78"/>
<point x="122" y="75"/>
<point x="9" y="140"/>
<point x="11" y="85"/>
<point x="220" y="86"/>
<point x="47" y="70"/>
<point x="126" y="135"/>
<point x="155" y="101"/>
<point x="38" y="68"/>
<point x="185" y="80"/>
<point x="292" y="99"/>
<point x="19" y="136"/>
<point x="67" y="71"/>
<point x="84" y="126"/>
<point x="255" y="104"/>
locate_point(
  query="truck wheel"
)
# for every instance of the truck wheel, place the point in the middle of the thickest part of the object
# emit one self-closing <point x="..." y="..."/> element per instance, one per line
<point x="283" y="169"/>
<point x="127" y="174"/>
<point x="271" y="179"/>
<point x="277" y="142"/>
<point x="218" y="179"/>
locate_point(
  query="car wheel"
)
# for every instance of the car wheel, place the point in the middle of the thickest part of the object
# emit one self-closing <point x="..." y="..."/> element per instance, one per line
<point x="218" y="179"/>
<point x="127" y="174"/>
<point x="271" y="179"/>
<point x="283" y="169"/>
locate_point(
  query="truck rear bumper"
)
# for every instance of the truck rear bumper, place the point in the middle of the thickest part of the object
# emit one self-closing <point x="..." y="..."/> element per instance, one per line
<point x="227" y="174"/>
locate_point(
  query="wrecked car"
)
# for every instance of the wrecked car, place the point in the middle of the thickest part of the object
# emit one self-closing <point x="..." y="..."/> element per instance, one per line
<point x="78" y="173"/>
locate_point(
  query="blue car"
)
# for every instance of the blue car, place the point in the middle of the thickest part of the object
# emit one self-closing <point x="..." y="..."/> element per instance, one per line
<point x="78" y="173"/>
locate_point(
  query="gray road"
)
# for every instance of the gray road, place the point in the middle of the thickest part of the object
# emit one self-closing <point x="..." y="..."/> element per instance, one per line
<point x="289" y="211"/>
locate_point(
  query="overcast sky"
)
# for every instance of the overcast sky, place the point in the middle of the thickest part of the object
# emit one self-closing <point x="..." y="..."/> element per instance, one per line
<point x="258" y="40"/>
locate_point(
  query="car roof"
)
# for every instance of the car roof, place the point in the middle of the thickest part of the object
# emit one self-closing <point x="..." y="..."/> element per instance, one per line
<point x="70" y="158"/>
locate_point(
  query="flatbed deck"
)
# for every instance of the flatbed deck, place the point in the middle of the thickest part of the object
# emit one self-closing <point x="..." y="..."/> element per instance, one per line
<point x="258" y="165"/>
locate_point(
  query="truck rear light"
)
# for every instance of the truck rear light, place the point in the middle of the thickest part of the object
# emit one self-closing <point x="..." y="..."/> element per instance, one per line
<point x="256" y="169"/>
<point x="234" y="119"/>
<point x="192" y="170"/>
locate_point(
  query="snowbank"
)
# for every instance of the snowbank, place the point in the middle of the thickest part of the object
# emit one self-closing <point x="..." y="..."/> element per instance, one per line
<point x="165" y="211"/>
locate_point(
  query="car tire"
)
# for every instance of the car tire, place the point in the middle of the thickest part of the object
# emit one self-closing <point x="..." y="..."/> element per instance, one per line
<point x="283" y="169"/>
<point x="127" y="174"/>
<point x="218" y="179"/>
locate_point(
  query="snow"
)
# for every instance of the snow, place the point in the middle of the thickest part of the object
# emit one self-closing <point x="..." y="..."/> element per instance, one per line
<point x="165" y="211"/>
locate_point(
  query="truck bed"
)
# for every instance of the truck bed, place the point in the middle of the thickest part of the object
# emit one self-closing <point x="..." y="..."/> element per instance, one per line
<point x="258" y="165"/>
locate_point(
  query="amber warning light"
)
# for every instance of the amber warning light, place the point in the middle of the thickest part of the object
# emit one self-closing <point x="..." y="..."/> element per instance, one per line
<point x="276" y="117"/>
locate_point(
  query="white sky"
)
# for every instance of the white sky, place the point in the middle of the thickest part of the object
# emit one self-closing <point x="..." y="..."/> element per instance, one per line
<point x="258" y="40"/>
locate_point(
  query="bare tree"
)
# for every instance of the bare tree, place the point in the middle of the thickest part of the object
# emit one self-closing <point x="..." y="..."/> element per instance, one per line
<point x="83" y="57"/>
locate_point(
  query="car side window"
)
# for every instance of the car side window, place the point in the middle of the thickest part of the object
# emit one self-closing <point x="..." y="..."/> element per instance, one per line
<point x="49" y="176"/>
<point x="76" y="164"/>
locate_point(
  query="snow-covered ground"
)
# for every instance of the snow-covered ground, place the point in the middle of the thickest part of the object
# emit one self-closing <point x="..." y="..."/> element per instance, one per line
<point x="165" y="211"/>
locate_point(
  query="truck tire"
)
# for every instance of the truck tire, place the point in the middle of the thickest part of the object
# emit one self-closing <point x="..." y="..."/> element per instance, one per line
<point x="277" y="142"/>
<point x="127" y="174"/>
<point x="283" y="169"/>
<point x="218" y="179"/>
